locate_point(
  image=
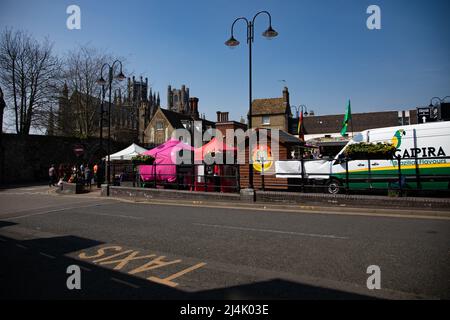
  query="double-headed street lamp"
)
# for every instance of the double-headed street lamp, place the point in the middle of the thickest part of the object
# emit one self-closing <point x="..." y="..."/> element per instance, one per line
<point x="437" y="98"/>
<point x="232" y="42"/>
<point x="297" y="110"/>
<point x="103" y="82"/>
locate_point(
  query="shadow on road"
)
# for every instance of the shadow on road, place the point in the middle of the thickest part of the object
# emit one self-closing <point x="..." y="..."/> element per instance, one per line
<point x="36" y="269"/>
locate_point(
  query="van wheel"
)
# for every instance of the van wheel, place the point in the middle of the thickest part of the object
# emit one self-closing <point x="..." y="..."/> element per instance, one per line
<point x="334" y="186"/>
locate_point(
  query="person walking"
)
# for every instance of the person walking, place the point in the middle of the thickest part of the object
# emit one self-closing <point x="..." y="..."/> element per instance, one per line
<point x="51" y="176"/>
<point x="95" y="172"/>
<point x="87" y="176"/>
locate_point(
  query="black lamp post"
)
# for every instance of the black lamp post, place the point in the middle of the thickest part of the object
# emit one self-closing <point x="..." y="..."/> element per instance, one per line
<point x="302" y="107"/>
<point x="437" y="98"/>
<point x="103" y="82"/>
<point x="232" y="42"/>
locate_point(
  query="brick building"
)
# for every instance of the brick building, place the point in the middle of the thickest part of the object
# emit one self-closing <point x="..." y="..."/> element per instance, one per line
<point x="223" y="123"/>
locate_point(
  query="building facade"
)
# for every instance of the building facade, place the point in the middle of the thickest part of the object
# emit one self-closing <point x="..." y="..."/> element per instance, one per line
<point x="80" y="114"/>
<point x="165" y="121"/>
<point x="273" y="113"/>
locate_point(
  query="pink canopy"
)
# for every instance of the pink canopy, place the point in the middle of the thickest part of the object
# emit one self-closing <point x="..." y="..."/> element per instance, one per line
<point x="165" y="159"/>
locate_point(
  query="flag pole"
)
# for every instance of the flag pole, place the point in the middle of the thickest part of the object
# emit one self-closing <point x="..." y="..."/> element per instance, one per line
<point x="351" y="119"/>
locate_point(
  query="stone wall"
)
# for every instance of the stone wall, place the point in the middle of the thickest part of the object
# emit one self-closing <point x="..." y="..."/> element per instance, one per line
<point x="27" y="158"/>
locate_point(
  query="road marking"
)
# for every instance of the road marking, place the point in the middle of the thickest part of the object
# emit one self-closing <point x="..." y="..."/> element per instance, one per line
<point x="114" y="215"/>
<point x="47" y="255"/>
<point x="21" y="246"/>
<point x="299" y="209"/>
<point x="330" y="236"/>
<point x="51" y="211"/>
<point x="168" y="281"/>
<point x="150" y="261"/>
<point x="125" y="283"/>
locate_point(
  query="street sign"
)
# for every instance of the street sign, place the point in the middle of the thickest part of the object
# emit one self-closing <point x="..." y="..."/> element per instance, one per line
<point x="78" y="149"/>
<point x="428" y="114"/>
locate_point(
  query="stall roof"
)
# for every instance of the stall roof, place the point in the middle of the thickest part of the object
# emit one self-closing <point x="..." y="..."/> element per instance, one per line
<point x="127" y="153"/>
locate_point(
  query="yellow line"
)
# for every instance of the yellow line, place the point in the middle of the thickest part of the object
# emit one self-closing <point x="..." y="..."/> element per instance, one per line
<point x="168" y="281"/>
<point x="404" y="167"/>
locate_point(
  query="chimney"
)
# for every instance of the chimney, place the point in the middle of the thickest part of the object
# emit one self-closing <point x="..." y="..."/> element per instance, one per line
<point x="286" y="96"/>
<point x="193" y="106"/>
<point x="222" y="116"/>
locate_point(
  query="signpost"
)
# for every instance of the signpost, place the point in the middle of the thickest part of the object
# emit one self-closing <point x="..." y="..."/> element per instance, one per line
<point x="427" y="114"/>
<point x="78" y="149"/>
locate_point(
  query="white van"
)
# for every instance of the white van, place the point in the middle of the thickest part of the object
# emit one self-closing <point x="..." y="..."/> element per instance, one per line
<point x="424" y="151"/>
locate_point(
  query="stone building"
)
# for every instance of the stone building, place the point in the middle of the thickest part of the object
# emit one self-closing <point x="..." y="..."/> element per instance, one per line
<point x="165" y="121"/>
<point x="273" y="113"/>
<point x="130" y="112"/>
<point x="178" y="99"/>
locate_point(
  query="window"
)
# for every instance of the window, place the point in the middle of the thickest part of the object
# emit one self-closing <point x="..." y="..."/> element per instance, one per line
<point x="159" y="125"/>
<point x="266" y="120"/>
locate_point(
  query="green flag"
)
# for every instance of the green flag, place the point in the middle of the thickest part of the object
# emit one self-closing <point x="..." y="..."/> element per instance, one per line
<point x="347" y="119"/>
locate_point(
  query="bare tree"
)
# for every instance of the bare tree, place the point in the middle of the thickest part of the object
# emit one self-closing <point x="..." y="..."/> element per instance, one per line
<point x="81" y="72"/>
<point x="28" y="73"/>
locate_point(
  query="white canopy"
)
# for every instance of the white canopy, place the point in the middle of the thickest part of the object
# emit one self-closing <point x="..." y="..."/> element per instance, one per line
<point x="127" y="153"/>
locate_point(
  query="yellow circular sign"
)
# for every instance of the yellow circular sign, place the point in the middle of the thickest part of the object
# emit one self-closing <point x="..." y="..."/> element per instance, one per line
<point x="262" y="156"/>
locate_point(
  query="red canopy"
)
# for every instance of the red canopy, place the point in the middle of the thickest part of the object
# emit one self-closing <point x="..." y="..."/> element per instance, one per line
<point x="214" y="145"/>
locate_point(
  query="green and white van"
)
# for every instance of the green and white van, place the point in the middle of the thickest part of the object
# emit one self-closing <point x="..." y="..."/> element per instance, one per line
<point x="424" y="151"/>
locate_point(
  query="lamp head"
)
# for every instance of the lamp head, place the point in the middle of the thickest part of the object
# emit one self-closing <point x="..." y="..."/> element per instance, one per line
<point x="121" y="76"/>
<point x="232" y="42"/>
<point x="101" y="81"/>
<point x="270" y="33"/>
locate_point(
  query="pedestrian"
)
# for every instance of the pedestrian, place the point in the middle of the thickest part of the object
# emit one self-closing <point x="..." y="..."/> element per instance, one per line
<point x="51" y="176"/>
<point x="87" y="176"/>
<point x="95" y="173"/>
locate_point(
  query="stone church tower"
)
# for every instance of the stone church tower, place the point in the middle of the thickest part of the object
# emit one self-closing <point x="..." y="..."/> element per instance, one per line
<point x="178" y="99"/>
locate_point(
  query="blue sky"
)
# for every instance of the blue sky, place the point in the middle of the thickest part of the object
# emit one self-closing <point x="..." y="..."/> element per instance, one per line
<point x="324" y="51"/>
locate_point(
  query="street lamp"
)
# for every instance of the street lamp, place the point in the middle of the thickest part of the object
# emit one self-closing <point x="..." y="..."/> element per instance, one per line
<point x="101" y="81"/>
<point x="297" y="110"/>
<point x="440" y="100"/>
<point x="232" y="42"/>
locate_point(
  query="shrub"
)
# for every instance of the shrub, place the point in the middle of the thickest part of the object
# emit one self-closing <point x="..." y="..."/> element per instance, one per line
<point x="365" y="150"/>
<point x="142" y="159"/>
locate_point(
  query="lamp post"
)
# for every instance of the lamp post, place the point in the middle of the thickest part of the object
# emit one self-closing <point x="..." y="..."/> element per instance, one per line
<point x="302" y="107"/>
<point x="103" y="82"/>
<point x="440" y="100"/>
<point x="232" y="42"/>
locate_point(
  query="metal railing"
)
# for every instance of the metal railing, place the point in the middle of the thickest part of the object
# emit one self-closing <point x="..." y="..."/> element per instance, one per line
<point x="196" y="177"/>
<point x="411" y="175"/>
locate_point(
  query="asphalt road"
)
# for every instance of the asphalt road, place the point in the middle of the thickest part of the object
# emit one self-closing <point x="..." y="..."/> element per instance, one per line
<point x="132" y="251"/>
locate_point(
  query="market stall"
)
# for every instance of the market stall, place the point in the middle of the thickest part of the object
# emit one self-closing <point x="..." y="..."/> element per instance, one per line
<point x="220" y="177"/>
<point x="164" y="168"/>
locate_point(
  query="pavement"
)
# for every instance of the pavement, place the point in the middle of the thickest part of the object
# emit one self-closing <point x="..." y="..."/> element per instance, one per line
<point x="186" y="250"/>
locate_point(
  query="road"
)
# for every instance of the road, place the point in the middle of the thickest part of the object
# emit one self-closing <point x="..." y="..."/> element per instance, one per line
<point x="132" y="250"/>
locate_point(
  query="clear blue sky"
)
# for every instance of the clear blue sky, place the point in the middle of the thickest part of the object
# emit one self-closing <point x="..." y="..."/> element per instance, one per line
<point x="324" y="50"/>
